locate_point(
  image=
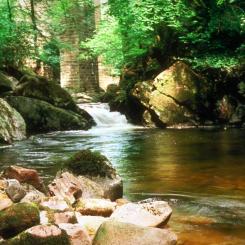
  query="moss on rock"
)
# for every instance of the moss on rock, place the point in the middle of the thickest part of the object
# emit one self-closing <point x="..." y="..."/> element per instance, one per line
<point x="87" y="162"/>
<point x="17" y="218"/>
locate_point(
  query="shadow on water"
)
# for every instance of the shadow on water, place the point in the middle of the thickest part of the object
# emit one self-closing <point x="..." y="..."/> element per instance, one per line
<point x="201" y="173"/>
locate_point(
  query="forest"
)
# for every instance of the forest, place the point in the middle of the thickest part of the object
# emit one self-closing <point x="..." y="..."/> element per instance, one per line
<point x="122" y="122"/>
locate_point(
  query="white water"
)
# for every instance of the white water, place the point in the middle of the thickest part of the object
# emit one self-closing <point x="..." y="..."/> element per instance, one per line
<point x="103" y="117"/>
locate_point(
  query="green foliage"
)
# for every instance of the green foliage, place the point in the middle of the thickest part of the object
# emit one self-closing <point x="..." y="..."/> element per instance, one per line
<point x="207" y="32"/>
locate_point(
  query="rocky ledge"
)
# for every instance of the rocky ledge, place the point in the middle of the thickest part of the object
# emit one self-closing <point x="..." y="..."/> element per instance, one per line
<point x="83" y="205"/>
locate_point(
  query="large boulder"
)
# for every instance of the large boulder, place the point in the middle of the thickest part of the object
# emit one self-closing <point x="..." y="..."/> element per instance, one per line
<point x="152" y="214"/>
<point x="176" y="96"/>
<point x="40" y="235"/>
<point x="40" y="88"/>
<point x="112" y="232"/>
<point x="41" y="116"/>
<point x="99" y="169"/>
<point x="17" y="218"/>
<point x="12" y="125"/>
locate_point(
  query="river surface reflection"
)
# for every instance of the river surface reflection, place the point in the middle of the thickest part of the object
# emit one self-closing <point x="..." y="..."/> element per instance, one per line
<point x="200" y="172"/>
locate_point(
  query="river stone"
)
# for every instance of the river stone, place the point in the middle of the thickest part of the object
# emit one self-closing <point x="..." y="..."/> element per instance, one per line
<point x="55" y="204"/>
<point x="25" y="175"/>
<point x="76" y="233"/>
<point x="66" y="217"/>
<point x="5" y="201"/>
<point x="41" y="116"/>
<point x="90" y="223"/>
<point x="40" y="235"/>
<point x="69" y="187"/>
<point x="33" y="196"/>
<point x="14" y="190"/>
<point x="95" y="207"/>
<point x="153" y="214"/>
<point x="112" y="232"/>
<point x="17" y="218"/>
<point x="99" y="169"/>
<point x="12" y="125"/>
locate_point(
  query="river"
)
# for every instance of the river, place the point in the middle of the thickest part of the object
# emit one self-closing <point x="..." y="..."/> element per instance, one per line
<point x="200" y="172"/>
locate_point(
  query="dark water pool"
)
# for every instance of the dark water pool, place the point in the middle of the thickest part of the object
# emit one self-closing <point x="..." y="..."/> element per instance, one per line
<point x="200" y="172"/>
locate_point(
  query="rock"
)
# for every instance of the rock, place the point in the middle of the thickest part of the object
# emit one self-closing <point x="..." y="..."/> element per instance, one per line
<point x="40" y="235"/>
<point x="44" y="218"/>
<point x="153" y="214"/>
<point x="69" y="187"/>
<point x="88" y="163"/>
<point x="99" y="169"/>
<point x="5" y="201"/>
<point x="6" y="83"/>
<point x="17" y="218"/>
<point x="12" y="125"/>
<point x="33" y="196"/>
<point x="95" y="207"/>
<point x="41" y="116"/>
<point x="238" y="117"/>
<point x="112" y="232"/>
<point x="25" y="175"/>
<point x="14" y="190"/>
<point x="55" y="204"/>
<point x="176" y="96"/>
<point x="76" y="233"/>
<point x="90" y="223"/>
<point x="66" y="217"/>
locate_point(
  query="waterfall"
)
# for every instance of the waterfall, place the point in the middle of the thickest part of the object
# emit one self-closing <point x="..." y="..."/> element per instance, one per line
<point x="103" y="116"/>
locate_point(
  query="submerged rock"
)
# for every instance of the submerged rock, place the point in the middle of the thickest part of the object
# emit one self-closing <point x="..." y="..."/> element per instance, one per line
<point x="153" y="214"/>
<point x="41" y="116"/>
<point x="96" y="207"/>
<point x="17" y="218"/>
<point x="25" y="175"/>
<point x="112" y="232"/>
<point x="12" y="125"/>
<point x="40" y="235"/>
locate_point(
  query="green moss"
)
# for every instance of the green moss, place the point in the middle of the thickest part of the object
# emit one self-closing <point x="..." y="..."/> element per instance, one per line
<point x="26" y="238"/>
<point x="17" y="218"/>
<point x="86" y="162"/>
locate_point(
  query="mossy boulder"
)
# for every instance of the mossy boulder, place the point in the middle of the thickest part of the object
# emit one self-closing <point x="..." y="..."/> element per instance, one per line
<point x="41" y="235"/>
<point x="40" y="88"/>
<point x="12" y="125"/>
<point x="175" y="96"/>
<point x="90" y="163"/>
<point x="41" y="116"/>
<point x="17" y="218"/>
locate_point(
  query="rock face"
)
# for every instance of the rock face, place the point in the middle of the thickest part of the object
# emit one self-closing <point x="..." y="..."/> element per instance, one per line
<point x="153" y="214"/>
<point x="175" y="96"/>
<point x="25" y="175"/>
<point x="99" y="169"/>
<point x="40" y="235"/>
<point x="12" y="125"/>
<point x="41" y="116"/>
<point x="17" y="218"/>
<point x="111" y="233"/>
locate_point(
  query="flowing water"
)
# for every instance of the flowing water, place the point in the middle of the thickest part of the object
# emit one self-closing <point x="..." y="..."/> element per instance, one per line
<point x="200" y="172"/>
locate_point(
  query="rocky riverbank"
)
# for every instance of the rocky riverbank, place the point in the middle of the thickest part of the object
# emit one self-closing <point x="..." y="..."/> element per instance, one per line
<point x="82" y="205"/>
<point x="30" y="104"/>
